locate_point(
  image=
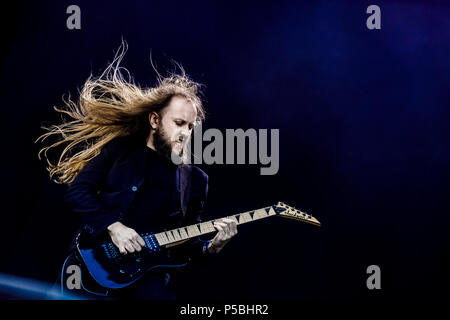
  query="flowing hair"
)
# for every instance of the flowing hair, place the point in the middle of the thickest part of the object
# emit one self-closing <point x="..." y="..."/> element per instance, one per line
<point x="108" y="107"/>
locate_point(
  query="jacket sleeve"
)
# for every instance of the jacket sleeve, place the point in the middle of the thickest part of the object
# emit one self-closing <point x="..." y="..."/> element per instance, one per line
<point x="82" y="194"/>
<point x="194" y="249"/>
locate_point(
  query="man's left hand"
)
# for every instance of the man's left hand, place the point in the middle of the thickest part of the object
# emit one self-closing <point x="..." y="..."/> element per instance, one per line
<point x="227" y="229"/>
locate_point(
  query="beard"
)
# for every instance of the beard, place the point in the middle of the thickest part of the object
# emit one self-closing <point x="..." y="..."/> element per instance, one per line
<point x="163" y="144"/>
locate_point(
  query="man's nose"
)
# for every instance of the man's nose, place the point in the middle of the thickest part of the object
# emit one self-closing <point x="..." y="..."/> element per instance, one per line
<point x="182" y="136"/>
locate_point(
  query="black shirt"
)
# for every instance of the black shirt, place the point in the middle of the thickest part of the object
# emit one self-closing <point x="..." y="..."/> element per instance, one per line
<point x="156" y="206"/>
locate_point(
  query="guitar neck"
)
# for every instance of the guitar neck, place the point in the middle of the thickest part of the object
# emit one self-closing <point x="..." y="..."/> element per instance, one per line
<point x="169" y="237"/>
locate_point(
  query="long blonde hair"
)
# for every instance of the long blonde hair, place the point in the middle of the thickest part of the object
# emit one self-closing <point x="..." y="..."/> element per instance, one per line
<point x="110" y="106"/>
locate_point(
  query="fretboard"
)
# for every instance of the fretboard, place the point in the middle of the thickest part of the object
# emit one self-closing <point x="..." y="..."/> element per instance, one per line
<point x="195" y="230"/>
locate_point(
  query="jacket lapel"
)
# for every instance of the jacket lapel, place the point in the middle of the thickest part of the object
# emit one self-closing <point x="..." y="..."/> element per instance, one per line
<point x="185" y="184"/>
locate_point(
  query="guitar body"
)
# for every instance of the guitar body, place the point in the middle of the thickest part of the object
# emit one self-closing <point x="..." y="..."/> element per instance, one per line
<point x="113" y="270"/>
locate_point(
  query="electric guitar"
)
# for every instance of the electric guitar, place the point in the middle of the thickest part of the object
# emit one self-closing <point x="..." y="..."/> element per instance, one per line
<point x="113" y="270"/>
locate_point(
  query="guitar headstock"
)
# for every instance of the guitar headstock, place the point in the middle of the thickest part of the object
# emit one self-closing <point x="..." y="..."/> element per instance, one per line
<point x="286" y="211"/>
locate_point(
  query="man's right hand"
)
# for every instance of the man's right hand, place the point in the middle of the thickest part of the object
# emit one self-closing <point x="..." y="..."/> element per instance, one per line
<point x="126" y="239"/>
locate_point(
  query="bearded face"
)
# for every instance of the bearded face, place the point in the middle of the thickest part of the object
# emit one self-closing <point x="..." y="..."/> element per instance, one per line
<point x="171" y="130"/>
<point x="164" y="145"/>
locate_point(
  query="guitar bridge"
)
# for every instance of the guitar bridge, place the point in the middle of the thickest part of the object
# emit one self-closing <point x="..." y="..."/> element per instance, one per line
<point x="110" y="250"/>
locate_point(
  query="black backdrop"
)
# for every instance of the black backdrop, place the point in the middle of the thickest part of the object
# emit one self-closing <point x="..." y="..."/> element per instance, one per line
<point x="363" y="118"/>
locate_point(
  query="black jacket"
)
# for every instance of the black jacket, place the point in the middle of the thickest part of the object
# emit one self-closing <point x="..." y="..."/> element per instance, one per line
<point x="104" y="190"/>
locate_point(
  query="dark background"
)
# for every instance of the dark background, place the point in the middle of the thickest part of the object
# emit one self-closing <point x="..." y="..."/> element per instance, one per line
<point x="363" y="118"/>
